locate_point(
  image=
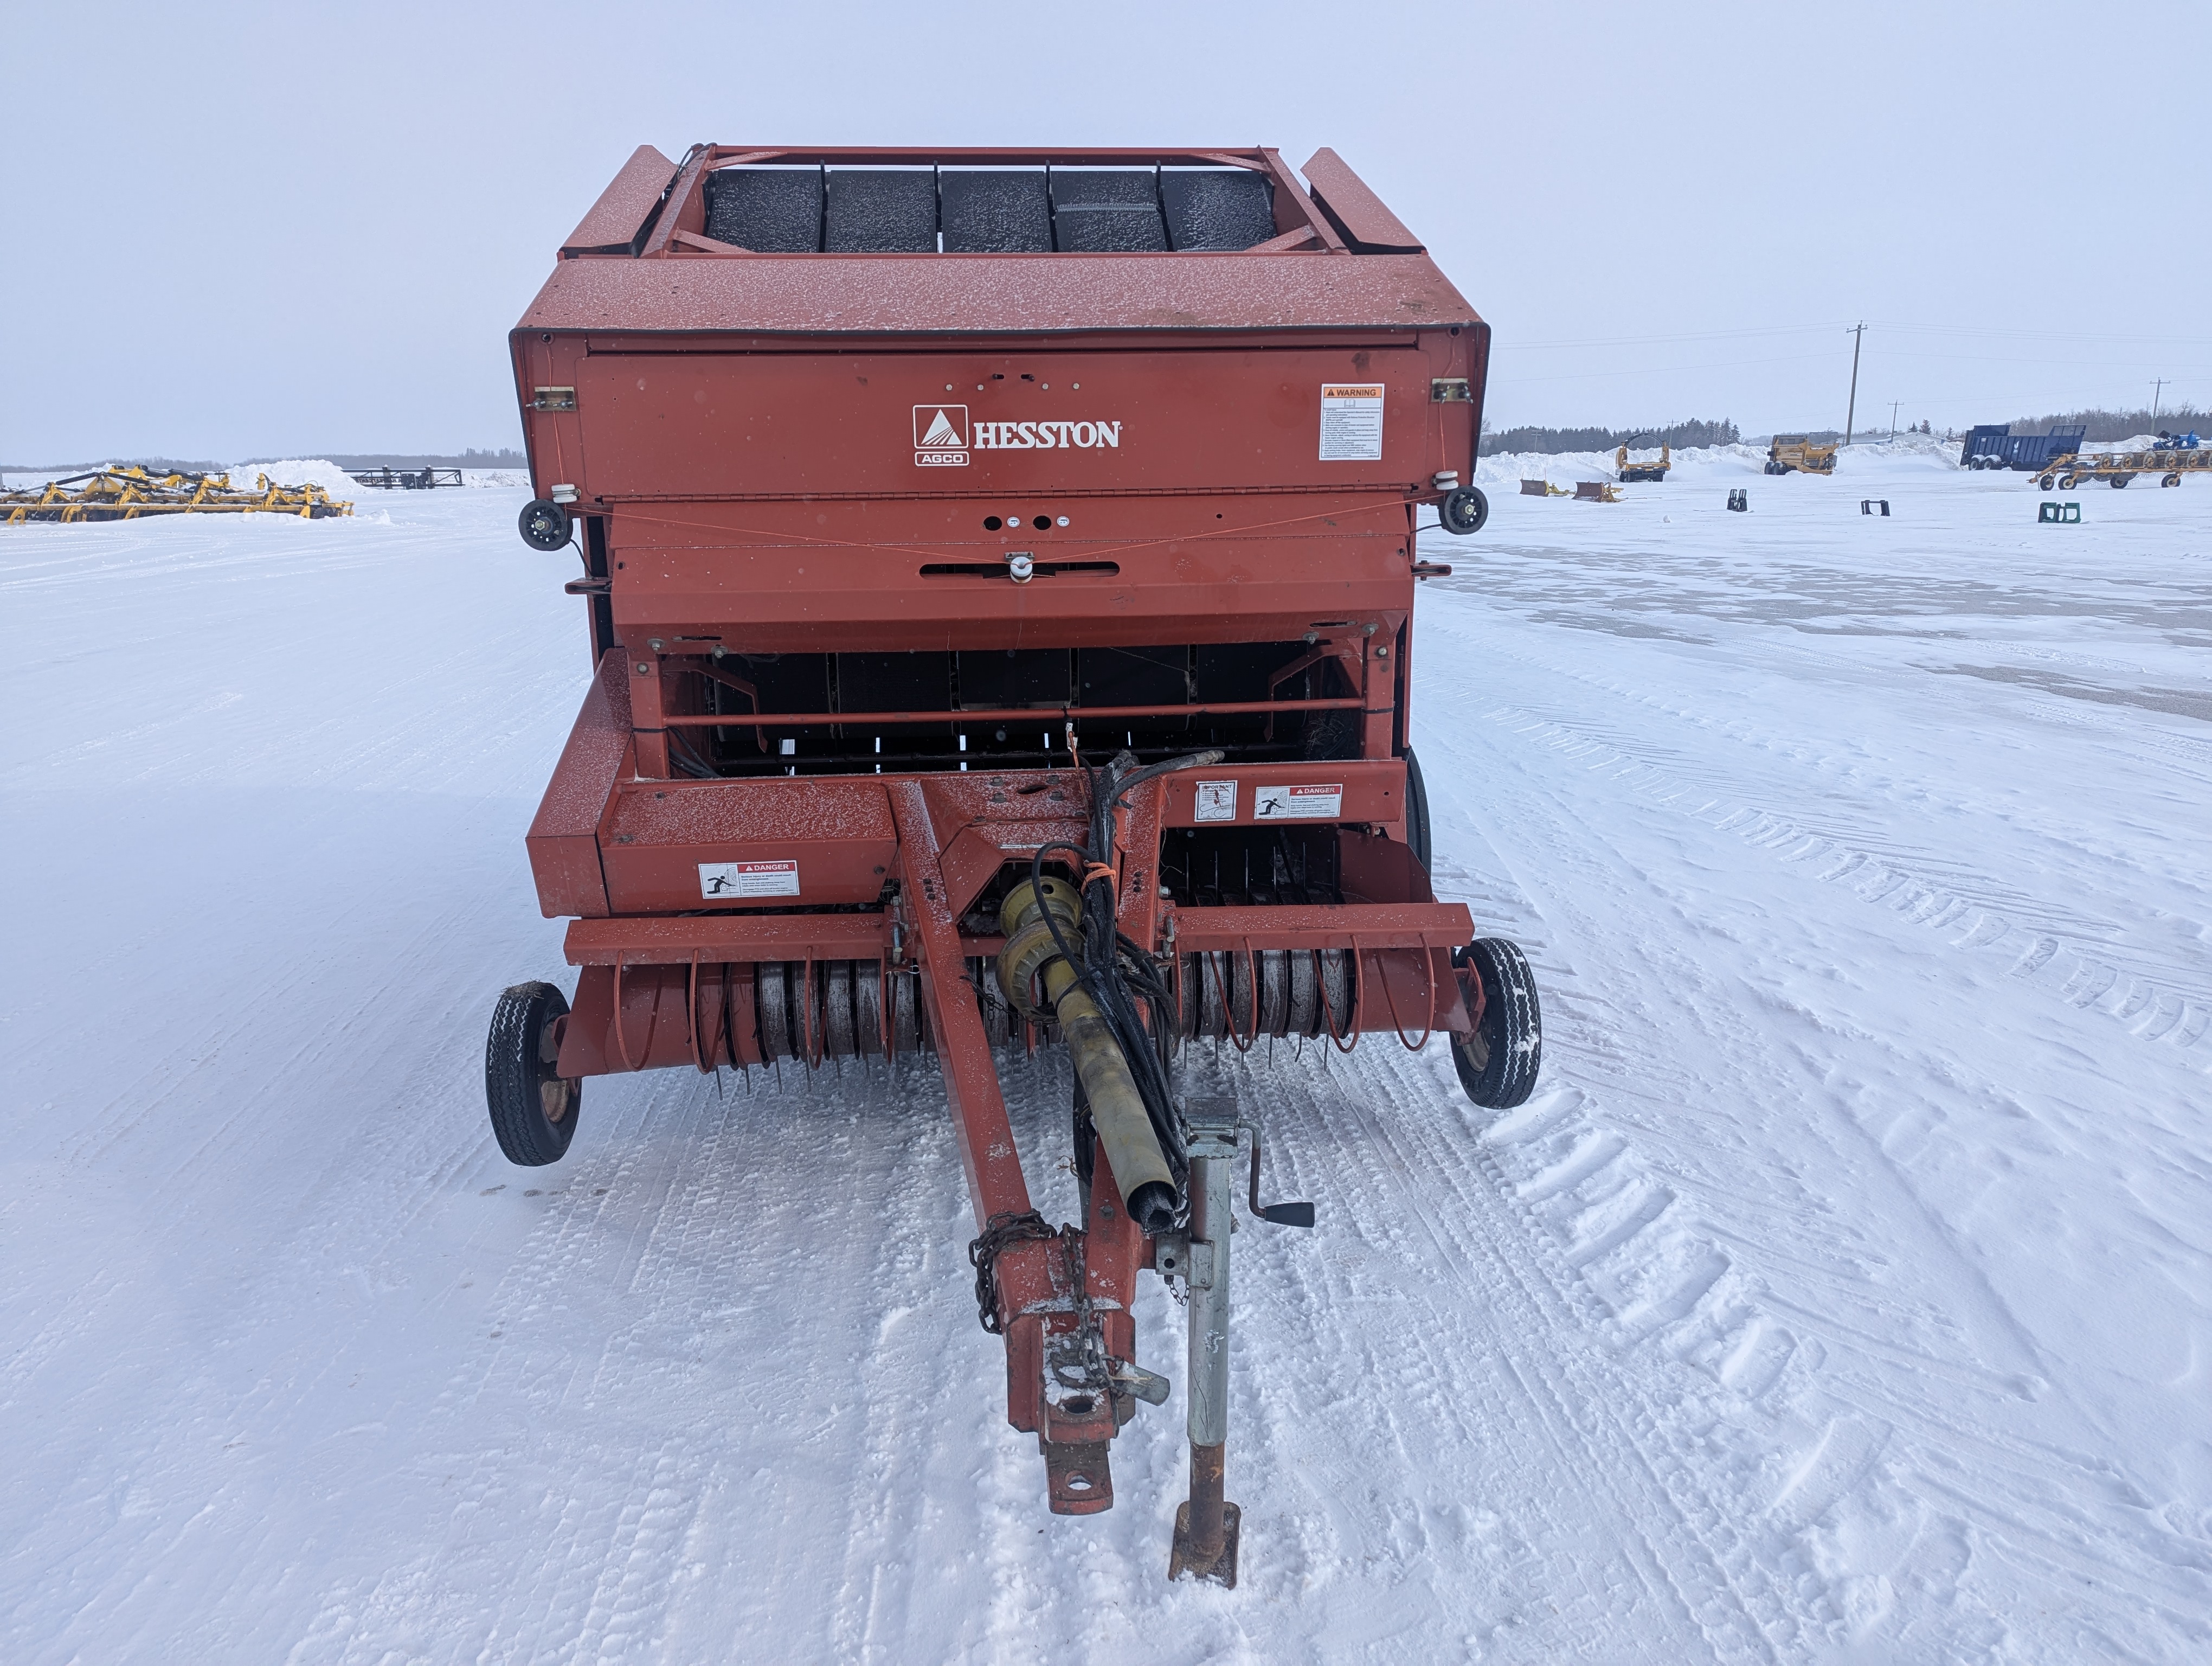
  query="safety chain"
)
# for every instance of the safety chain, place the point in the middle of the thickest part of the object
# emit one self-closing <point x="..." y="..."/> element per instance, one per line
<point x="983" y="1255"/>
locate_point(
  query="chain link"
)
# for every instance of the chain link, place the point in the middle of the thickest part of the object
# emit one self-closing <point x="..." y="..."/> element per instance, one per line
<point x="983" y="1255"/>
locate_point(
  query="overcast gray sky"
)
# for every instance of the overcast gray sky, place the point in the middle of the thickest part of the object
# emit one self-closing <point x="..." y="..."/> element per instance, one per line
<point x="291" y="229"/>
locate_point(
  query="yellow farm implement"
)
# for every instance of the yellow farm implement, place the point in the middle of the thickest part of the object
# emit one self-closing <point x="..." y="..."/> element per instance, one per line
<point x="1793" y="453"/>
<point x="2117" y="468"/>
<point x="125" y="493"/>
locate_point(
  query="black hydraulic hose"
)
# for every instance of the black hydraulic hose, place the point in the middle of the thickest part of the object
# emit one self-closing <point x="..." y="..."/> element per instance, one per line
<point x="1101" y="977"/>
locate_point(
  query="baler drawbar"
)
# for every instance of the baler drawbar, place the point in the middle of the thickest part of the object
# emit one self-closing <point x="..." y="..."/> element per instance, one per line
<point x="999" y="571"/>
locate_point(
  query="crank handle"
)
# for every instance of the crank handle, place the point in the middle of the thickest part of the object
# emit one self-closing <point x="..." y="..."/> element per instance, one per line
<point x="1279" y="1214"/>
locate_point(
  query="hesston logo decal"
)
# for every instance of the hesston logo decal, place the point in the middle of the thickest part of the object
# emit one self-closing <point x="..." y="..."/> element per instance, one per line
<point x="1045" y="436"/>
<point x="943" y="437"/>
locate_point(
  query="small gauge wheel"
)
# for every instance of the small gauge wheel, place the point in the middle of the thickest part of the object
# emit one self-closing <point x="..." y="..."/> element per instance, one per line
<point x="1463" y="512"/>
<point x="543" y="524"/>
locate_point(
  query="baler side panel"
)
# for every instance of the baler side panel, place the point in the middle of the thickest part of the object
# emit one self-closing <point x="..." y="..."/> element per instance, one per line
<point x="1357" y="212"/>
<point x="563" y="837"/>
<point x="615" y="223"/>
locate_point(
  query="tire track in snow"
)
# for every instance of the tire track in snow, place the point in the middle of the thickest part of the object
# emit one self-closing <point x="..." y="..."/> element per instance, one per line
<point x="1829" y="1458"/>
<point x="2059" y="954"/>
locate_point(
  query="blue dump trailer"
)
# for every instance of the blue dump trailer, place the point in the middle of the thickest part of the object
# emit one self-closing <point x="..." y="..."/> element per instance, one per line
<point x="1994" y="445"/>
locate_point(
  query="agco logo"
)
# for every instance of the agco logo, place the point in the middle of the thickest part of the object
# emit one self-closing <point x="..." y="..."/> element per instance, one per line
<point x="940" y="436"/>
<point x="943" y="437"/>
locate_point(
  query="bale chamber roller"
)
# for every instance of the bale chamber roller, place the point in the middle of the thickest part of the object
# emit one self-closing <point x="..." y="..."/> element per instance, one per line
<point x="998" y="568"/>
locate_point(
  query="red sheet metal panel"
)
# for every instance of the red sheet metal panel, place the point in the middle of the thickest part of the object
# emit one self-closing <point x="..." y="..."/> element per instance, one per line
<point x="968" y="294"/>
<point x="739" y="845"/>
<point x="1288" y="794"/>
<point x="844" y="575"/>
<point x="1322" y="926"/>
<point x="564" y="838"/>
<point x="613" y="223"/>
<point x="728" y="936"/>
<point x="773" y="424"/>
<point x="1367" y="226"/>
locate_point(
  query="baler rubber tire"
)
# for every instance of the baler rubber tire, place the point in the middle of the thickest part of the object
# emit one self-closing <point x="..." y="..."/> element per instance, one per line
<point x="521" y="1084"/>
<point x="1416" y="815"/>
<point x="1497" y="1064"/>
<point x="2120" y="480"/>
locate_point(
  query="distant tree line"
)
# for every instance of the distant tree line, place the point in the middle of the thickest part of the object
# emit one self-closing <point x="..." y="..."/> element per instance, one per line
<point x="1553" y="440"/>
<point x="151" y="464"/>
<point x="471" y="459"/>
<point x="2108" y="425"/>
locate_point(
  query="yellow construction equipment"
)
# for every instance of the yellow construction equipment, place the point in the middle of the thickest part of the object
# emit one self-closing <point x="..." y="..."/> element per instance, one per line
<point x="1596" y="492"/>
<point x="125" y="493"/>
<point x="1543" y="488"/>
<point x="1791" y="453"/>
<point x="1630" y="473"/>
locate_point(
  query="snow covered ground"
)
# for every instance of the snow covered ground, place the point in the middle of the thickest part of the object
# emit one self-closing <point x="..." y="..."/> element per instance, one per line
<point x="1844" y="1294"/>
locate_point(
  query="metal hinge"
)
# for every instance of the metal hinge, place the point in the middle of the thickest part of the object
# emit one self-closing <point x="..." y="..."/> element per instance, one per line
<point x="553" y="398"/>
<point x="1451" y="390"/>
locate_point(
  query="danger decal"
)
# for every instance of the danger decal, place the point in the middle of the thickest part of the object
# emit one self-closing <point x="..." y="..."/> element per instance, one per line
<point x="1296" y="804"/>
<point x="724" y="881"/>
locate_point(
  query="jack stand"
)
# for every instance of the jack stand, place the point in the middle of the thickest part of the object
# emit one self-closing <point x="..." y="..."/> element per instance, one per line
<point x="1207" y="1527"/>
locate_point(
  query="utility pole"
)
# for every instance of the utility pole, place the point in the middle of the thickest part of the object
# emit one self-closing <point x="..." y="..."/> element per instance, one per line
<point x="1850" y="416"/>
<point x="1893" y="405"/>
<point x="2157" y="388"/>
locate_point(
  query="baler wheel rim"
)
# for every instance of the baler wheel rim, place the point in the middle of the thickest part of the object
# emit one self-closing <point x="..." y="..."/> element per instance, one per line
<point x="533" y="1108"/>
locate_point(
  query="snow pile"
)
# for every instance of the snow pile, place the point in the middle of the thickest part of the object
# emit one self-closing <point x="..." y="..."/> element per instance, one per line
<point x="296" y="471"/>
<point x="1507" y="470"/>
